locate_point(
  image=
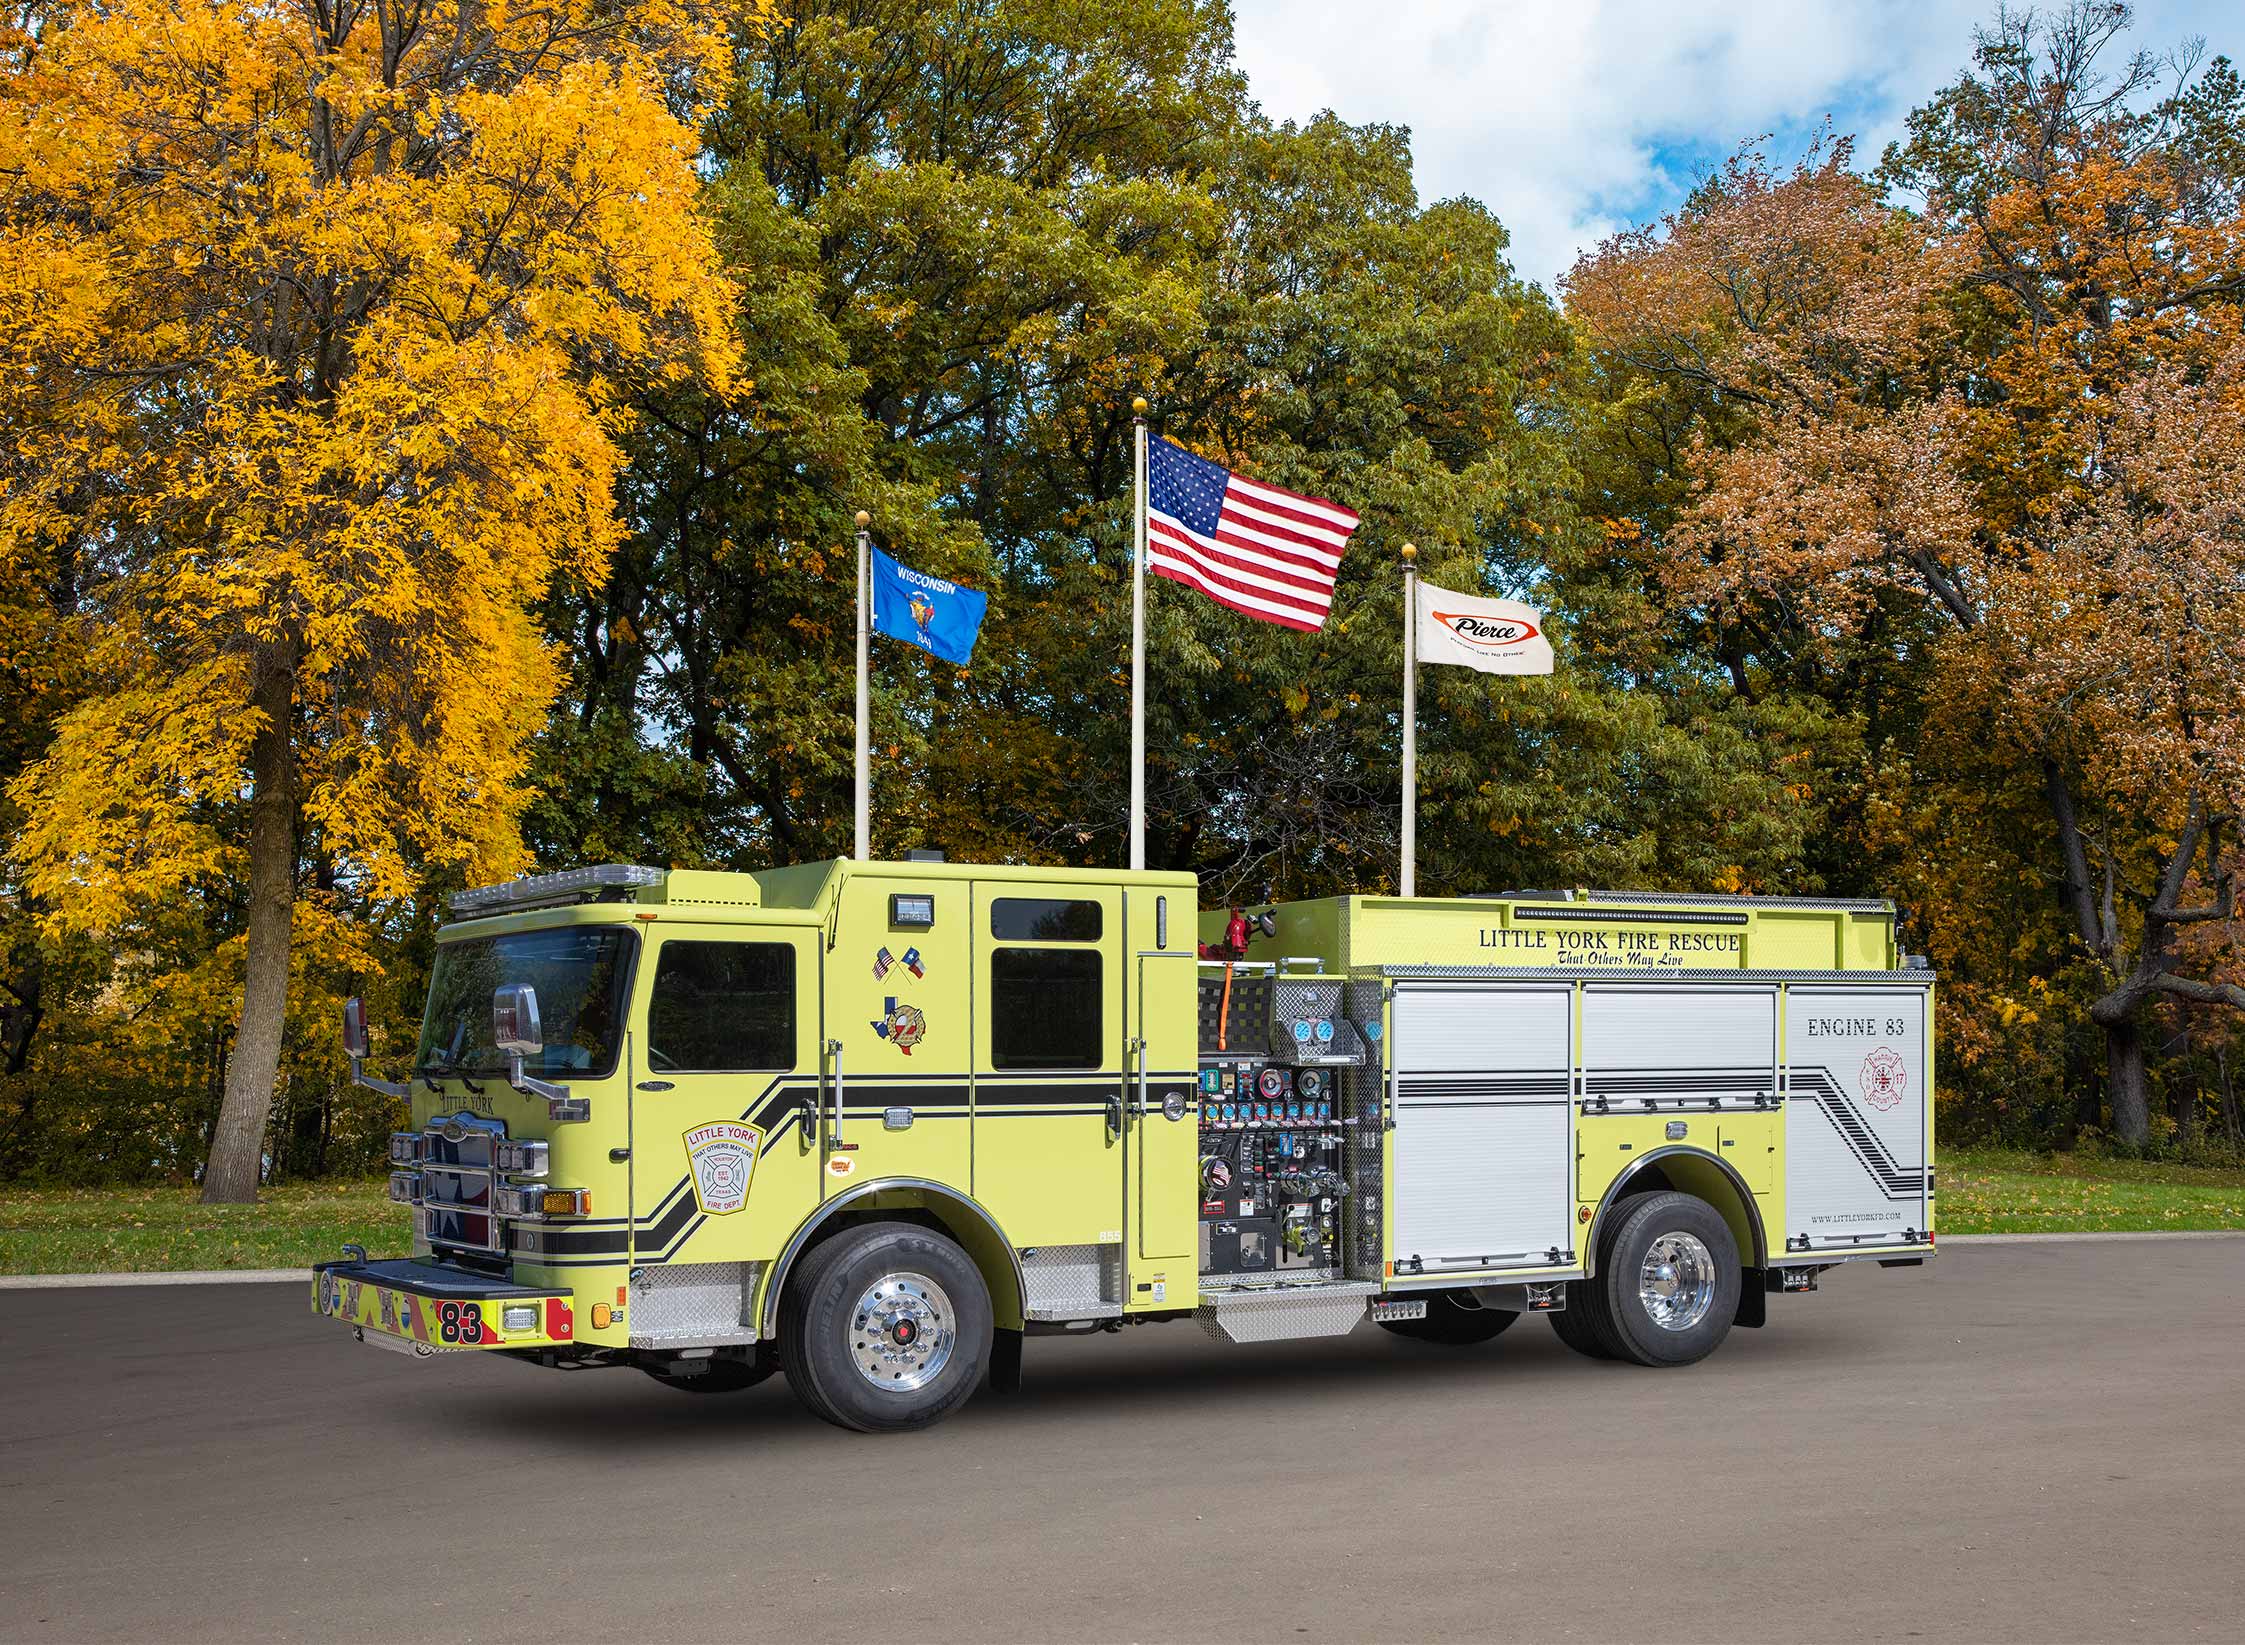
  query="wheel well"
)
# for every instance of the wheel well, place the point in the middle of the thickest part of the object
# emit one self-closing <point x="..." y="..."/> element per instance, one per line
<point x="928" y="1206"/>
<point x="1702" y="1176"/>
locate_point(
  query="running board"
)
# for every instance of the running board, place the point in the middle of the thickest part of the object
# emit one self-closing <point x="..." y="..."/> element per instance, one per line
<point x="1275" y="1313"/>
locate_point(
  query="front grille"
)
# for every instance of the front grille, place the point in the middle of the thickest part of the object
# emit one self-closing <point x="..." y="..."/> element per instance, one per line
<point x="459" y="1172"/>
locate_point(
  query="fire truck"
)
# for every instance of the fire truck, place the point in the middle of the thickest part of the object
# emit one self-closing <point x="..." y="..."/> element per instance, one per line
<point x="873" y="1124"/>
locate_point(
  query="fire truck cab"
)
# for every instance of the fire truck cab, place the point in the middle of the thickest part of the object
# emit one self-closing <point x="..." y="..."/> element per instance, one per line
<point x="873" y="1124"/>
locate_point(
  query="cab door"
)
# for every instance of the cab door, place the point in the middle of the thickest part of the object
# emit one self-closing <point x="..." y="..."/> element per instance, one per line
<point x="1050" y="1052"/>
<point x="726" y="1068"/>
<point x="896" y="1099"/>
<point x="1165" y="1131"/>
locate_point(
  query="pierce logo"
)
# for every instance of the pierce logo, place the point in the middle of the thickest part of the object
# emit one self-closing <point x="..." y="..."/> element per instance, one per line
<point x="1489" y="633"/>
<point x="1886" y="1079"/>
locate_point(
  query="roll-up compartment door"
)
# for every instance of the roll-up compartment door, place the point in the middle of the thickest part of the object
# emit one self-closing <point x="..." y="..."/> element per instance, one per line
<point x="1484" y="1138"/>
<point x="1663" y="1044"/>
<point x="1859" y="1091"/>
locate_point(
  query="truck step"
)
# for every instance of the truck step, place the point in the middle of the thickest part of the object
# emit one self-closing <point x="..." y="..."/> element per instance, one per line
<point x="1274" y="1313"/>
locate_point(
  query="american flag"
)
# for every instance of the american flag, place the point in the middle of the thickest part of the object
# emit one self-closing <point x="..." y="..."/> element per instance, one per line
<point x="1270" y="553"/>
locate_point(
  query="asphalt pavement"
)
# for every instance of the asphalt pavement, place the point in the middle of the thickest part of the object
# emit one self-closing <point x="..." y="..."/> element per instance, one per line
<point x="2023" y="1442"/>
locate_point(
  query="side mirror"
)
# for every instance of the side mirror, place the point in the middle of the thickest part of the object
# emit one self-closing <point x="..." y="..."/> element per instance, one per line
<point x="516" y="1031"/>
<point x="356" y="1046"/>
<point x="515" y="1028"/>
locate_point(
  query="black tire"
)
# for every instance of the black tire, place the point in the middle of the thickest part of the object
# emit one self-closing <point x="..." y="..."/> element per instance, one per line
<point x="940" y="1325"/>
<point x="1451" y="1321"/>
<point x="1573" y="1324"/>
<point x="723" y="1376"/>
<point x="1631" y="1328"/>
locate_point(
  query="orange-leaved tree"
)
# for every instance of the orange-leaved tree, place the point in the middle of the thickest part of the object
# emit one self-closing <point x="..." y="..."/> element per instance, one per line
<point x="320" y="319"/>
<point x="2014" y="416"/>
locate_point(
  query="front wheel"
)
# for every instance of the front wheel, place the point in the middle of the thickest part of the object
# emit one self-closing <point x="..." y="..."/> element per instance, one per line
<point x="1667" y="1287"/>
<point x="887" y="1327"/>
<point x="1453" y="1322"/>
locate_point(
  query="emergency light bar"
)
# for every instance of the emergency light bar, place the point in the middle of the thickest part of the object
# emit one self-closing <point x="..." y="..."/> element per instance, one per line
<point x="570" y="885"/>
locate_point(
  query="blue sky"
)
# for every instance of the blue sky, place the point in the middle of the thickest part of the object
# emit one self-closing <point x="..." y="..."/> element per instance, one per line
<point x="1572" y="118"/>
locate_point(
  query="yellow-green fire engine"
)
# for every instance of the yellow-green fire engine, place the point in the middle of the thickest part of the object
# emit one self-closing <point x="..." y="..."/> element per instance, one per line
<point x="872" y="1124"/>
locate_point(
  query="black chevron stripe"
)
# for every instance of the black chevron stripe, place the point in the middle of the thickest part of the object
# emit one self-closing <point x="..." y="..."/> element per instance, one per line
<point x="1895" y="1180"/>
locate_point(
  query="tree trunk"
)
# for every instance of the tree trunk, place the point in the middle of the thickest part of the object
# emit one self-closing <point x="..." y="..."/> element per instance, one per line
<point x="237" y="1146"/>
<point x="2124" y="1082"/>
<point x="2230" y="1120"/>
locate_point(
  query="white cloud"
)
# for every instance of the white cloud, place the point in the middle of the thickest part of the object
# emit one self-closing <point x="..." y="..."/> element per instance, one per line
<point x="1570" y="118"/>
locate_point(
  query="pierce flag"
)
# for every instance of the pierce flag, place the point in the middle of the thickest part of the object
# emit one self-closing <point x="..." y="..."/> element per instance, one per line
<point x="939" y="617"/>
<point x="1494" y="636"/>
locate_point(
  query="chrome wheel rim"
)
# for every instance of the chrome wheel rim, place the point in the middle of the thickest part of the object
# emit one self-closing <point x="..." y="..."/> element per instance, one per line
<point x="1676" y="1282"/>
<point x="902" y="1332"/>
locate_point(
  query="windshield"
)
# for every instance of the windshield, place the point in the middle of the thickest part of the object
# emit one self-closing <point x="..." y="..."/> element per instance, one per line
<point x="580" y="974"/>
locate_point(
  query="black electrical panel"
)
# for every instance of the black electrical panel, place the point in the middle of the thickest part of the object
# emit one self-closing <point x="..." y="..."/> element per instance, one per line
<point x="1243" y="1245"/>
<point x="1270" y="1167"/>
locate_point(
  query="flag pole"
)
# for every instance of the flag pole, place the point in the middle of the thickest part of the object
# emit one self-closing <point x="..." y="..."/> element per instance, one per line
<point x="1410" y="875"/>
<point x="864" y="628"/>
<point x="1138" y="644"/>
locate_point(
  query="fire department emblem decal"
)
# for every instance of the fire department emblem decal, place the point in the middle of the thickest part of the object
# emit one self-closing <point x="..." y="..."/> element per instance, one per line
<point x="903" y="1026"/>
<point x="723" y="1157"/>
<point x="1886" y="1079"/>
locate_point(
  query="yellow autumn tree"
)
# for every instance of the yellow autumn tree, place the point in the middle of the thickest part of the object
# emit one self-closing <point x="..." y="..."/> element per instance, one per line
<point x="317" y="324"/>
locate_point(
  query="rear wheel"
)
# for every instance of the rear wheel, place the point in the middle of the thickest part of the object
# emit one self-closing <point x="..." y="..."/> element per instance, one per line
<point x="886" y="1327"/>
<point x="1574" y="1324"/>
<point x="1452" y="1321"/>
<point x="1668" y="1282"/>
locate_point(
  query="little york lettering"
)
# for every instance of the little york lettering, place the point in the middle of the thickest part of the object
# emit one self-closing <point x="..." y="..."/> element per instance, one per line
<point x="1492" y="938"/>
<point x="1636" y="947"/>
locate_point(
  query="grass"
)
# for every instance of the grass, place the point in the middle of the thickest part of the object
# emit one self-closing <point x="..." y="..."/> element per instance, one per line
<point x="2001" y="1191"/>
<point x="142" y="1230"/>
<point x="139" y="1230"/>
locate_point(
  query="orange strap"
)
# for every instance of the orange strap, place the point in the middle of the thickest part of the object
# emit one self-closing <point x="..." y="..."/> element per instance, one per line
<point x="1224" y="1012"/>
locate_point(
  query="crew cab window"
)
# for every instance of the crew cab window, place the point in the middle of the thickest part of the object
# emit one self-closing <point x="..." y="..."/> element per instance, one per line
<point x="1044" y="919"/>
<point x="1047" y="1007"/>
<point x="722" y="1006"/>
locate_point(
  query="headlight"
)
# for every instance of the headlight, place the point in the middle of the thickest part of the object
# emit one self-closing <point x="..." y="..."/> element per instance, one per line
<point x="519" y="1316"/>
<point x="405" y="1187"/>
<point x="521" y="1159"/>
<point x="405" y="1147"/>
<point x="535" y="1201"/>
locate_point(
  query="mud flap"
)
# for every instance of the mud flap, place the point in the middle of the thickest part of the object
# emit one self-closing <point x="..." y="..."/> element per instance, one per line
<point x="1005" y="1361"/>
<point x="1753" y="1298"/>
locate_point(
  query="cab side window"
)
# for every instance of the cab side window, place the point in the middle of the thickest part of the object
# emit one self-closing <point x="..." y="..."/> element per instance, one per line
<point x="1046" y="1008"/>
<point x="721" y="1007"/>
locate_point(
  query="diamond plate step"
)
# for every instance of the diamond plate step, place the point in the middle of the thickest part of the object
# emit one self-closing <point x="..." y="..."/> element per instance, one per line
<point x="1274" y="1313"/>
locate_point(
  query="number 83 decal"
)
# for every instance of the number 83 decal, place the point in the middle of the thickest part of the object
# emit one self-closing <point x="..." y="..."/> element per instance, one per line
<point x="460" y="1322"/>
